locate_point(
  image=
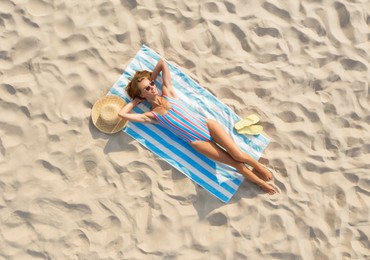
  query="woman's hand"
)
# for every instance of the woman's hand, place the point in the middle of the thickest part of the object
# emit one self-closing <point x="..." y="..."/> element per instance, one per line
<point x="129" y="106"/>
<point x="137" y="101"/>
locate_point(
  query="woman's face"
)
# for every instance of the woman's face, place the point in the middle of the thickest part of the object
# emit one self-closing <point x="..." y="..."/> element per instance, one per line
<point x="148" y="89"/>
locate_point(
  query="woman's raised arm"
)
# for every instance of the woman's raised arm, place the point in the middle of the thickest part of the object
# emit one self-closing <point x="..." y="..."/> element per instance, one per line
<point x="167" y="88"/>
<point x="141" y="118"/>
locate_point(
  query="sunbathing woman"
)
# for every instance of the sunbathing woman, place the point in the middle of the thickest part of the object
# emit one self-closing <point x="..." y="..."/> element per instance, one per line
<point x="205" y="135"/>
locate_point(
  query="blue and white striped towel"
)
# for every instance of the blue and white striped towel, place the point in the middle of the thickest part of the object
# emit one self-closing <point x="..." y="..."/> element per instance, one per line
<point x="219" y="179"/>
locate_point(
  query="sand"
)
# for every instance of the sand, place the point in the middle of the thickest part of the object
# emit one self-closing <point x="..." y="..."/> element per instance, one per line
<point x="68" y="191"/>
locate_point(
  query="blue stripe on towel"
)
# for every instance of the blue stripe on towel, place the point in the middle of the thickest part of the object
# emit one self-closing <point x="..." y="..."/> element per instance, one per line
<point x="220" y="180"/>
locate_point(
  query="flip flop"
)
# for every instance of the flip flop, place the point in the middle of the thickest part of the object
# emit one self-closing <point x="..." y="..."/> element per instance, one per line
<point x="247" y="121"/>
<point x="251" y="130"/>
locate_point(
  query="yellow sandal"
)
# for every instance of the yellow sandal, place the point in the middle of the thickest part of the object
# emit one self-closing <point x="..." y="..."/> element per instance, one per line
<point x="251" y="130"/>
<point x="247" y="121"/>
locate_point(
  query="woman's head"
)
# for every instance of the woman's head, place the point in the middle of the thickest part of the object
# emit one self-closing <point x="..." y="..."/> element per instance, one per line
<point x="140" y="86"/>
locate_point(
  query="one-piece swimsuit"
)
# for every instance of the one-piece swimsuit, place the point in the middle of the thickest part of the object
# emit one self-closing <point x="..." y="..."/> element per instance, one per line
<point x="184" y="123"/>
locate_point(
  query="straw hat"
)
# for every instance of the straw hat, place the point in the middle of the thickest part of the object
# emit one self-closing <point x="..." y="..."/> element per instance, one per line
<point x="104" y="114"/>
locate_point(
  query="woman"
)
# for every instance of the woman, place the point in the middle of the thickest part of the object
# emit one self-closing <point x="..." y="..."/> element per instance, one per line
<point x="204" y="135"/>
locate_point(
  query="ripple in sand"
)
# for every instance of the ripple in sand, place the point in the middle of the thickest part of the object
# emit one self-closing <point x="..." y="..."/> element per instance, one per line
<point x="72" y="104"/>
<point x="332" y="219"/>
<point x="137" y="181"/>
<point x="12" y="135"/>
<point x="349" y="64"/>
<point x="343" y="14"/>
<point x="273" y="9"/>
<point x="63" y="25"/>
<point x="290" y="117"/>
<point x="211" y="7"/>
<point x="2" y="26"/>
<point x="16" y="232"/>
<point x="340" y="197"/>
<point x="56" y="171"/>
<point x="25" y="49"/>
<point x="217" y="219"/>
<point x="60" y="207"/>
<point x="273" y="32"/>
<point x="182" y="190"/>
<point x="130" y="4"/>
<point x="90" y="164"/>
<point x="76" y="240"/>
<point x="76" y="42"/>
<point x="315" y="25"/>
<point x="230" y="7"/>
<point x="111" y="227"/>
<point x="39" y="8"/>
<point x="6" y="6"/>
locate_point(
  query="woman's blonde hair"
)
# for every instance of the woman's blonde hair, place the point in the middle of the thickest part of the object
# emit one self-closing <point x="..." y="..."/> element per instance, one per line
<point x="132" y="88"/>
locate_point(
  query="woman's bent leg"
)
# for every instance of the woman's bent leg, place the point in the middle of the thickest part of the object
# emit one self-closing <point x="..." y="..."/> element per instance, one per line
<point x="213" y="151"/>
<point x="220" y="136"/>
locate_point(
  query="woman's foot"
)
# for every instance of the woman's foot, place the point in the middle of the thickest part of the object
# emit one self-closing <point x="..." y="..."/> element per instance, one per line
<point x="268" y="188"/>
<point x="265" y="174"/>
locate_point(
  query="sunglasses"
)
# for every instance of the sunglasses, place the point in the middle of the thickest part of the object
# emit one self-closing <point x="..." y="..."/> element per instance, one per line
<point x="149" y="87"/>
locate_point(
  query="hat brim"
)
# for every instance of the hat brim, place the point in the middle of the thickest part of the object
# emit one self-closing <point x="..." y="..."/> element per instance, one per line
<point x="95" y="112"/>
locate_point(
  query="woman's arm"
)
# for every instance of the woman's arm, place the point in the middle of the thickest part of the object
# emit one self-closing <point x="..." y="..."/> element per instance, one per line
<point x="141" y="118"/>
<point x="167" y="88"/>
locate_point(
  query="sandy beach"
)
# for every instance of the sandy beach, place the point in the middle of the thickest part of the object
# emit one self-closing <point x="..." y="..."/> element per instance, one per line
<point x="68" y="191"/>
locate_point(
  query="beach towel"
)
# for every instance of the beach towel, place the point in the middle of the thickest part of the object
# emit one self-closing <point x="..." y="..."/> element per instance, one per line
<point x="219" y="179"/>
